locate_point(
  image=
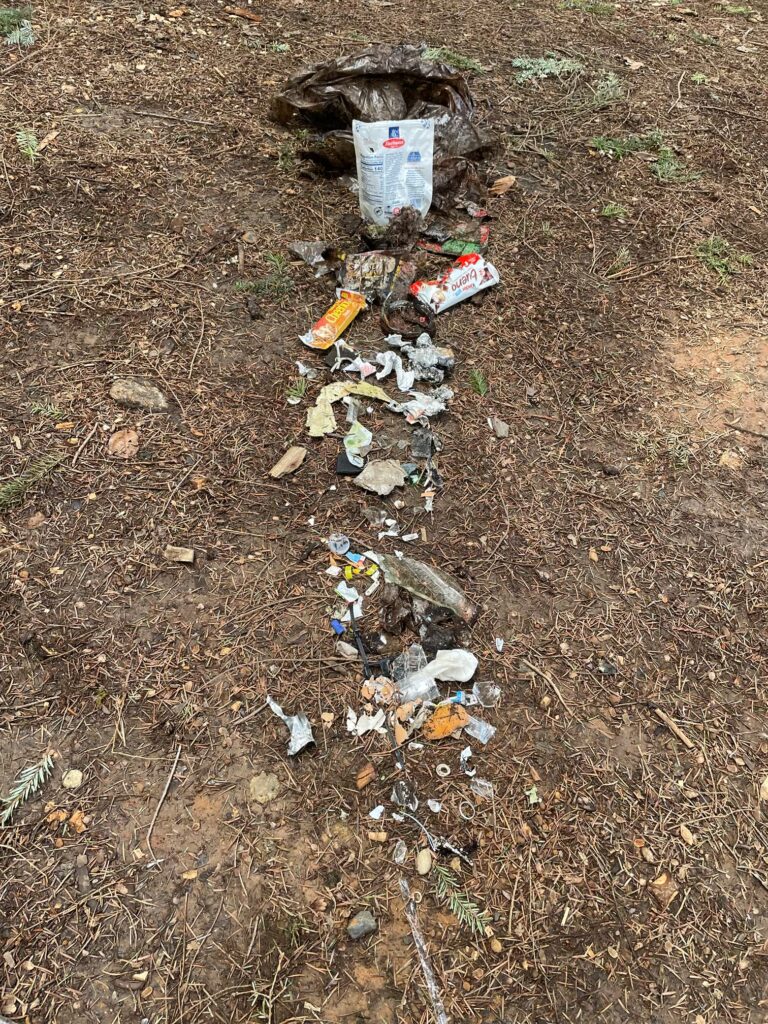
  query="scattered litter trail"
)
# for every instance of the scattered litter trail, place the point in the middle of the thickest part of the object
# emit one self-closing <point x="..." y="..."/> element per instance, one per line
<point x="594" y="485"/>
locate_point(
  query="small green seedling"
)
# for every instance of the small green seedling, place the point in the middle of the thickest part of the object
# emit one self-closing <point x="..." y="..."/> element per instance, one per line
<point x="28" y="144"/>
<point x="478" y="383"/>
<point x="614" y="210"/>
<point x="718" y="255"/>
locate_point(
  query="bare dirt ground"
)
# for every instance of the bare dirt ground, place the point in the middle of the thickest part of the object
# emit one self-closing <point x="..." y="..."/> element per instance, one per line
<point x="607" y="540"/>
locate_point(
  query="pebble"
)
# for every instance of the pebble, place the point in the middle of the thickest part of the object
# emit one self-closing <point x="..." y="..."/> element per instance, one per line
<point x="264" y="788"/>
<point x="362" y="924"/>
<point x="129" y="391"/>
<point x="176" y="554"/>
<point x="610" y="469"/>
<point x="424" y="861"/>
<point x="72" y="779"/>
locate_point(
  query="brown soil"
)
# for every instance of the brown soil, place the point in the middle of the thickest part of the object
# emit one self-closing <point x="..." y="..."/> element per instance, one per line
<point x="603" y="539"/>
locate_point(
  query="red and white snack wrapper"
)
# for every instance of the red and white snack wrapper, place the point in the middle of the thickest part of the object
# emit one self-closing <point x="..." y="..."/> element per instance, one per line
<point x="469" y="275"/>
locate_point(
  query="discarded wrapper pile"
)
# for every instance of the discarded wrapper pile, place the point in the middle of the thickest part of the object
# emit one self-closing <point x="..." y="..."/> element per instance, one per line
<point x="406" y="124"/>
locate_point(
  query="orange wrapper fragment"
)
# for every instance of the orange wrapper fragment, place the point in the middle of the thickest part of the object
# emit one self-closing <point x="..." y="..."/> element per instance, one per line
<point x="332" y="324"/>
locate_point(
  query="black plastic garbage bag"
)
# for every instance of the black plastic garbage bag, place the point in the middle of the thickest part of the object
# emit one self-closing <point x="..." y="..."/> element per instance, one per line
<point x="381" y="83"/>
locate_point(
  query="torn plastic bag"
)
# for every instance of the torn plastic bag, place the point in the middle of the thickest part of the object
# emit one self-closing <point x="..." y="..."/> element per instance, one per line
<point x="447" y="666"/>
<point x="389" y="361"/>
<point x="428" y="582"/>
<point x="381" y="83"/>
<point x="479" y="730"/>
<point x="428" y="362"/>
<point x="386" y="83"/>
<point x="298" y="726"/>
<point x="410" y="661"/>
<point x="320" y="256"/>
<point x="320" y="418"/>
<point x="357" y="444"/>
<point x="421" y="405"/>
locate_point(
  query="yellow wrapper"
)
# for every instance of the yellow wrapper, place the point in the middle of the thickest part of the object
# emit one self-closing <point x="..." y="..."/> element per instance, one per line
<point x="332" y="324"/>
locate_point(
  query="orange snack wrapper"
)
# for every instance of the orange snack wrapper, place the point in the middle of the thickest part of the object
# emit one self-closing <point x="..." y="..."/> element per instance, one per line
<point x="332" y="324"/>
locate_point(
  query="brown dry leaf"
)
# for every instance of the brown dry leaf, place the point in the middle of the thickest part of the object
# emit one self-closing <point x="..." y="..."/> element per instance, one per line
<point x="686" y="835"/>
<point x="76" y="821"/>
<point x="593" y="555"/>
<point x="123" y="444"/>
<point x="365" y="776"/>
<point x="48" y="139"/>
<point x="242" y="12"/>
<point x="664" y="888"/>
<point x="289" y="463"/>
<point x="57" y="817"/>
<point x="502" y="185"/>
<point x="445" y="721"/>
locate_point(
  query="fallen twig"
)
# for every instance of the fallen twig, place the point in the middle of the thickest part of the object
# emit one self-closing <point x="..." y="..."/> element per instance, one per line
<point x="746" y="430"/>
<point x="674" y="728"/>
<point x="161" y="802"/>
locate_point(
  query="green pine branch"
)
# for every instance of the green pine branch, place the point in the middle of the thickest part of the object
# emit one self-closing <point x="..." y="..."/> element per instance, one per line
<point x="459" y="902"/>
<point x="30" y="780"/>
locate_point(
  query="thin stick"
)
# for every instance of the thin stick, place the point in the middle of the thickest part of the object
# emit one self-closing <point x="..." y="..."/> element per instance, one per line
<point x="547" y="679"/>
<point x="746" y="430"/>
<point x="160" y="804"/>
<point x="674" y="728"/>
<point x="76" y="456"/>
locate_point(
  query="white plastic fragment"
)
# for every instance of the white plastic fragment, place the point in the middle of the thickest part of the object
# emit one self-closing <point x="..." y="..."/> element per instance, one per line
<point x="479" y="730"/>
<point x="482" y="788"/>
<point x="389" y="361"/>
<point x="377" y="812"/>
<point x="359" y="725"/>
<point x="298" y="726"/>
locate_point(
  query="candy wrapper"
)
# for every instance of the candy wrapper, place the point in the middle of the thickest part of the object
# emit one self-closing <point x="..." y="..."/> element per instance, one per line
<point x="469" y="275"/>
<point x="332" y="324"/>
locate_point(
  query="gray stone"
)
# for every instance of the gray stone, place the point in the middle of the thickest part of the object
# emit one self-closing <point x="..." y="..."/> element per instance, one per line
<point x="264" y="788"/>
<point x="362" y="924"/>
<point x="129" y="391"/>
<point x="500" y="428"/>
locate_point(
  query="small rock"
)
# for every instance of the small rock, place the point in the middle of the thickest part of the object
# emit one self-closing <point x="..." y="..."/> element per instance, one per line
<point x="129" y="391"/>
<point x="500" y="428"/>
<point x="362" y="924"/>
<point x="174" y="554"/>
<point x="289" y="463"/>
<point x="424" y="861"/>
<point x="348" y="651"/>
<point x="731" y="460"/>
<point x="72" y="779"/>
<point x="264" y="788"/>
<point x="381" y="477"/>
<point x="609" y="469"/>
